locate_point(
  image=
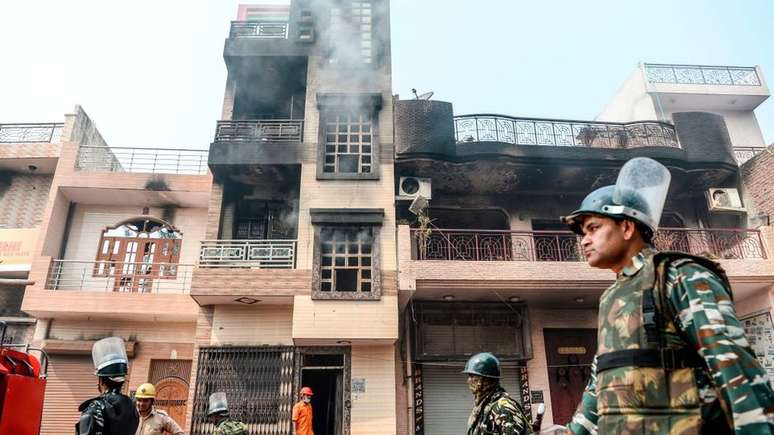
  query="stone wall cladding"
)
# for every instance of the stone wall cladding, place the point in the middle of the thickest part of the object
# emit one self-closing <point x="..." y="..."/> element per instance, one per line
<point x="11" y="300"/>
<point x="23" y="200"/>
<point x="758" y="181"/>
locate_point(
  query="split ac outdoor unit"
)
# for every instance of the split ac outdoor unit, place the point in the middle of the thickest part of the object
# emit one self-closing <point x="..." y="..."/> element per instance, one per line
<point x="411" y="187"/>
<point x="725" y="200"/>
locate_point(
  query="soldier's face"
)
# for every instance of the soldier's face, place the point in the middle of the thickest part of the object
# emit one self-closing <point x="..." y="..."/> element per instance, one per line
<point x="474" y="383"/>
<point x="144" y="405"/>
<point x="604" y="241"/>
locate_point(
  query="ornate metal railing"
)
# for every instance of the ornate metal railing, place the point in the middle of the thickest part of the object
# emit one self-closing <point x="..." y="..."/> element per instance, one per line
<point x="275" y="130"/>
<point x="115" y="276"/>
<point x="142" y="160"/>
<point x="744" y="154"/>
<point x="264" y="254"/>
<point x="259" y="29"/>
<point x="553" y="132"/>
<point x="702" y="74"/>
<point x="490" y="245"/>
<point x="21" y="133"/>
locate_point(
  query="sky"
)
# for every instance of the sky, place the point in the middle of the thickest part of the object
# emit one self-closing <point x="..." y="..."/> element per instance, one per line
<point x="151" y="73"/>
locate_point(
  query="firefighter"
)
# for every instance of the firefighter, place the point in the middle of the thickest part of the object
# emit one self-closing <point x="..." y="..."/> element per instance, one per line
<point x="302" y="413"/>
<point x="110" y="413"/>
<point x="218" y="414"/>
<point x="672" y="356"/>
<point x="494" y="411"/>
<point x="153" y="421"/>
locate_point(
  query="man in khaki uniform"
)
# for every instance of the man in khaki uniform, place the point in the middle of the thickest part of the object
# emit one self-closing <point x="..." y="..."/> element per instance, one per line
<point x="153" y="421"/>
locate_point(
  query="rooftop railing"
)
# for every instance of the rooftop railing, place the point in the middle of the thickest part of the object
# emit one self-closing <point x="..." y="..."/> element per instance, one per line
<point x="270" y="130"/>
<point x="491" y="245"/>
<point x="702" y="75"/>
<point x="744" y="154"/>
<point x="262" y="254"/>
<point x="551" y="132"/>
<point x="259" y="29"/>
<point x="26" y="133"/>
<point x="104" y="276"/>
<point x="142" y="160"/>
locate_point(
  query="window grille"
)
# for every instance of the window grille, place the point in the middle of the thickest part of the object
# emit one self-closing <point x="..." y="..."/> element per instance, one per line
<point x="348" y="143"/>
<point x="346" y="261"/>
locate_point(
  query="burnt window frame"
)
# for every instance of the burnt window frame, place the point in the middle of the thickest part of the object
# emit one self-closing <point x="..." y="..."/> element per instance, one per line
<point x="337" y="104"/>
<point x="344" y="134"/>
<point x="355" y="220"/>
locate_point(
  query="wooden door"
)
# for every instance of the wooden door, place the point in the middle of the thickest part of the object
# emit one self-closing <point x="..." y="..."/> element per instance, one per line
<point x="172" y="397"/>
<point x="569" y="353"/>
<point x="134" y="262"/>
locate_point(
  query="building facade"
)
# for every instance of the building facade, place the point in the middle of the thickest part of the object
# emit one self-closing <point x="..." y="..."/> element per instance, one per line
<point x="337" y="237"/>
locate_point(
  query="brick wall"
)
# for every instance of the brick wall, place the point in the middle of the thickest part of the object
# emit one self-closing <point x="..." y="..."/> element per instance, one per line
<point x="23" y="199"/>
<point x="758" y="181"/>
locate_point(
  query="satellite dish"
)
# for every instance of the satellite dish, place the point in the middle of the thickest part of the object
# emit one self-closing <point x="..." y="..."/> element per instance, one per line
<point x="425" y="96"/>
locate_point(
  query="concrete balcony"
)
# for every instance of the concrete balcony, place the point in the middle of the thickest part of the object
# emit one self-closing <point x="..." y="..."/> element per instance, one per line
<point x="120" y="291"/>
<point x="248" y="271"/>
<point x="27" y="146"/>
<point x="548" y="267"/>
<point x="142" y="160"/>
<point x="256" y="142"/>
<point x="703" y="87"/>
<point x="266" y="38"/>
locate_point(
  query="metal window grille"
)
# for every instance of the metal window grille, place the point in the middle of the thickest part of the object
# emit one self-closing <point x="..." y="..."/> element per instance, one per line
<point x="258" y="382"/>
<point x="346" y="259"/>
<point x="353" y="28"/>
<point x="348" y="143"/>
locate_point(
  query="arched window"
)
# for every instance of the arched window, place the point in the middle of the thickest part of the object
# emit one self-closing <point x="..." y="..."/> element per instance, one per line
<point x="137" y="251"/>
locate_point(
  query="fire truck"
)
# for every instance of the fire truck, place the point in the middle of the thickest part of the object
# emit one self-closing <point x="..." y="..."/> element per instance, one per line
<point x="22" y="383"/>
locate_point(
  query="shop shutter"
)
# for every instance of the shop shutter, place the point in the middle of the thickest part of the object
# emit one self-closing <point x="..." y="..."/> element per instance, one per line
<point x="448" y="401"/>
<point x="71" y="381"/>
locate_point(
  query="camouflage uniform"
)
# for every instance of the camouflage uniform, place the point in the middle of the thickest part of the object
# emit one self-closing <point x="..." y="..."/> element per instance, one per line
<point x="497" y="414"/>
<point x="231" y="427"/>
<point x="726" y="389"/>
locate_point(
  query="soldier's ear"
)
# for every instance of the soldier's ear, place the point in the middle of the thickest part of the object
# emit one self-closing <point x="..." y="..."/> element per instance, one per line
<point x="629" y="229"/>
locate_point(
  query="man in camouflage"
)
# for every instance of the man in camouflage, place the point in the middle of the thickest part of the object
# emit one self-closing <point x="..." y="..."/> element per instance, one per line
<point x="672" y="357"/>
<point x="219" y="416"/>
<point x="494" y="411"/>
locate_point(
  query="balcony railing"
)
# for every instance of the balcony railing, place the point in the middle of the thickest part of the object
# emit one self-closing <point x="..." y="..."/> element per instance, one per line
<point x="702" y="75"/>
<point x="262" y="254"/>
<point x="142" y="160"/>
<point x="104" y="276"/>
<point x="489" y="245"/>
<point x="259" y="29"/>
<point x="744" y="154"/>
<point x="550" y="132"/>
<point x="21" y="133"/>
<point x="274" y="130"/>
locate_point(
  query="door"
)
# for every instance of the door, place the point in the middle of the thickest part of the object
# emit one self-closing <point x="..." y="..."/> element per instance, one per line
<point x="70" y="382"/>
<point x="171" y="378"/>
<point x="569" y="353"/>
<point x="135" y="262"/>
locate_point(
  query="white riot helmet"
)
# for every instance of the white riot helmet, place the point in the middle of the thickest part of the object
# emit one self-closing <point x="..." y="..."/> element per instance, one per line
<point x="218" y="403"/>
<point x="110" y="360"/>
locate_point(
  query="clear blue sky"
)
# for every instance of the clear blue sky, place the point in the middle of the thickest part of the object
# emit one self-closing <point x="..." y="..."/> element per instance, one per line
<point x="152" y="74"/>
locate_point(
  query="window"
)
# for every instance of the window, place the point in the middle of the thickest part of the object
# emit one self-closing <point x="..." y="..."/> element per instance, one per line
<point x="348" y="143"/>
<point x="346" y="261"/>
<point x="351" y="30"/>
<point x="136" y="252"/>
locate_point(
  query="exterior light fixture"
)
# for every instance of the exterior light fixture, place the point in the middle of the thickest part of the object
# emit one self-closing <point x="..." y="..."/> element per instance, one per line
<point x="580" y="300"/>
<point x="345" y="342"/>
<point x="448" y="297"/>
<point x="247" y="301"/>
<point x="514" y="299"/>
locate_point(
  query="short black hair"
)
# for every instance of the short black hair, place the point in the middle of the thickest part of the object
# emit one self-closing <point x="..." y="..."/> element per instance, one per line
<point x="645" y="232"/>
<point x="112" y="385"/>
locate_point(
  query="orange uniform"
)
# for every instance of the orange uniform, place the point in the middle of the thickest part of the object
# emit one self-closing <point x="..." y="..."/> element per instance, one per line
<point x="302" y="418"/>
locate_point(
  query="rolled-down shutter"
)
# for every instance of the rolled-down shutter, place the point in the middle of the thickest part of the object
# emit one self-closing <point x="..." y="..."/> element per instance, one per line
<point x="71" y="380"/>
<point x="448" y="400"/>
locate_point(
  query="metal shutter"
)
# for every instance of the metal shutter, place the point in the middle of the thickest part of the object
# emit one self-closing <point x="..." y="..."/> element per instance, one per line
<point x="448" y="401"/>
<point x="71" y="380"/>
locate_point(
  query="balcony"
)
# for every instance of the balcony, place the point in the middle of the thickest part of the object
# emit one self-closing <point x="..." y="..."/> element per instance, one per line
<point x="26" y="146"/>
<point x="258" y="29"/>
<point x="263" y="131"/>
<point x="261" y="254"/>
<point x="142" y="160"/>
<point x="702" y="75"/>
<point x="31" y="133"/>
<point x="102" y="276"/>
<point x="256" y="142"/>
<point x="547" y="132"/>
<point x="265" y="38"/>
<point x="744" y="154"/>
<point x="481" y="245"/>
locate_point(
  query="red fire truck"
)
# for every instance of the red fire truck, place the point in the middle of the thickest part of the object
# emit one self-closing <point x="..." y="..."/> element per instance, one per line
<point x="22" y="383"/>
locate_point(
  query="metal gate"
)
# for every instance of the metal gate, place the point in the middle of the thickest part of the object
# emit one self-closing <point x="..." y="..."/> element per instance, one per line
<point x="258" y="382"/>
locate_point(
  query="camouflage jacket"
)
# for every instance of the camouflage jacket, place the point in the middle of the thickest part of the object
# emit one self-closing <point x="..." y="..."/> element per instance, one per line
<point x="498" y="414"/>
<point x="231" y="427"/>
<point x="731" y="390"/>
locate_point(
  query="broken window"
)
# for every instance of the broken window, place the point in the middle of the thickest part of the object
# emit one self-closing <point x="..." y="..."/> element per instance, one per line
<point x="346" y="259"/>
<point x="348" y="143"/>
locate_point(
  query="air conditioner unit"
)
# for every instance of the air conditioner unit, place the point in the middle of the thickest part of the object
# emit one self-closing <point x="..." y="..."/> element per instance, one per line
<point x="725" y="200"/>
<point x="411" y="187"/>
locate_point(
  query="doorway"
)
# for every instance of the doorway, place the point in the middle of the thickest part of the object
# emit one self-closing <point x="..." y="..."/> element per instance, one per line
<point x="324" y="374"/>
<point x="569" y="353"/>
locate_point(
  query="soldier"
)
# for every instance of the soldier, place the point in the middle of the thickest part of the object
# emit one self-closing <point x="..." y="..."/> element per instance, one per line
<point x="494" y="411"/>
<point x="110" y="413"/>
<point x="218" y="415"/>
<point x="153" y="421"/>
<point x="672" y="357"/>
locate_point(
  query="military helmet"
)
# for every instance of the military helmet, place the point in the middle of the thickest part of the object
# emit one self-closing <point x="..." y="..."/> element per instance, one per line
<point x="145" y="391"/>
<point x="483" y="364"/>
<point x="639" y="194"/>
<point x="218" y="403"/>
<point x="110" y="360"/>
